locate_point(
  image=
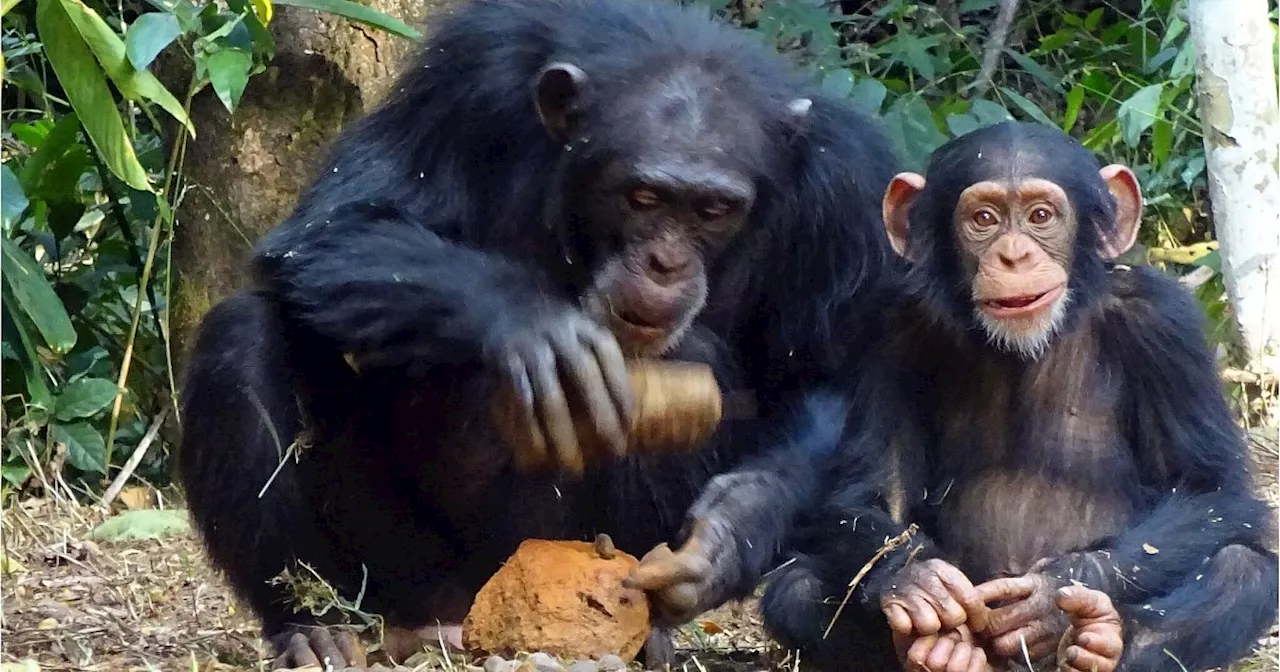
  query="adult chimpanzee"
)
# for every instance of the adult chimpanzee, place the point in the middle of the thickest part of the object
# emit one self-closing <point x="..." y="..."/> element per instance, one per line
<point x="1053" y="424"/>
<point x="555" y="186"/>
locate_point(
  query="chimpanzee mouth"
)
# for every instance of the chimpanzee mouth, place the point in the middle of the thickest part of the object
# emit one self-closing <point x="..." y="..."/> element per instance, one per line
<point x="636" y="322"/>
<point x="1023" y="304"/>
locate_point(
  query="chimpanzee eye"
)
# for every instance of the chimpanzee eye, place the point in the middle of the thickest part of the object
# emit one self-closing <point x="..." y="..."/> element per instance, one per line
<point x="984" y="218"/>
<point x="643" y="198"/>
<point x="1040" y="216"/>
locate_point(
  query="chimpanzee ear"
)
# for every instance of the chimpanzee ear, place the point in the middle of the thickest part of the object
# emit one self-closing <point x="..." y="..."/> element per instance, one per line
<point x="1124" y="188"/>
<point x="897" y="201"/>
<point x="557" y="90"/>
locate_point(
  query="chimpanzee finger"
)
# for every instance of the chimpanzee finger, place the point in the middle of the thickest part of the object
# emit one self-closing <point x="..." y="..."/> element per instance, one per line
<point x="553" y="409"/>
<point x="532" y="451"/>
<point x="940" y="655"/>
<point x="960" y="657"/>
<point x="924" y="615"/>
<point x="1007" y="588"/>
<point x="967" y="599"/>
<point x="1081" y="660"/>
<point x="664" y="572"/>
<point x="899" y="620"/>
<point x="350" y="647"/>
<point x="588" y="378"/>
<point x="978" y="660"/>
<point x="918" y="653"/>
<point x="1039" y="638"/>
<point x="326" y="648"/>
<point x="297" y="653"/>
<point x="613" y="368"/>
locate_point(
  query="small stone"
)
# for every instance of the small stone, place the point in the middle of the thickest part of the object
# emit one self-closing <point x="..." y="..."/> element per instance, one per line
<point x="544" y="662"/>
<point x="496" y="664"/>
<point x="584" y="666"/>
<point x="611" y="663"/>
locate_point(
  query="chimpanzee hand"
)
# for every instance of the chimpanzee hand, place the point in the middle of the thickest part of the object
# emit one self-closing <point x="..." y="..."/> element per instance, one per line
<point x="1028" y="613"/>
<point x="684" y="583"/>
<point x="561" y="352"/>
<point x="927" y="597"/>
<point x="318" y="646"/>
<point x="948" y="651"/>
<point x="1097" y="639"/>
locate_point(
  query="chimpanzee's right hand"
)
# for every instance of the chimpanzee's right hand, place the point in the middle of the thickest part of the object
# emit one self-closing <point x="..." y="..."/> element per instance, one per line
<point x="927" y="597"/>
<point x="556" y="356"/>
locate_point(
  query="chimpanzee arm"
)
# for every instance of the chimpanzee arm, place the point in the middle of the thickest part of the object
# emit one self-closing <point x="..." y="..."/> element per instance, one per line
<point x="385" y="287"/>
<point x="1186" y="443"/>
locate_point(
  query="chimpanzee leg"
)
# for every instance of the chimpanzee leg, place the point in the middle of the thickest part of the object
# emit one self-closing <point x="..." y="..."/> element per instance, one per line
<point x="1211" y="620"/>
<point x="799" y="604"/>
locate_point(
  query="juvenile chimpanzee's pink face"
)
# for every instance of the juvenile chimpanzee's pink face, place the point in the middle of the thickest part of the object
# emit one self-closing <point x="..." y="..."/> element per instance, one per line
<point x="671" y="184"/>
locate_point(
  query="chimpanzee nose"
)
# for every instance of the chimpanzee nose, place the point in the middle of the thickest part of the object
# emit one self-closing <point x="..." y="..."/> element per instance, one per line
<point x="668" y="264"/>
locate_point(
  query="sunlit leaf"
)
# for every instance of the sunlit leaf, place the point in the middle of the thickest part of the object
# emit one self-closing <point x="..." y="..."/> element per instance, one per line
<point x="1195" y="168"/>
<point x="1161" y="141"/>
<point x="264" y="10"/>
<point x="86" y="449"/>
<point x="1091" y="21"/>
<point x="143" y="524"/>
<point x="30" y="288"/>
<point x="111" y="52"/>
<point x="357" y="12"/>
<point x="84" y="398"/>
<point x="13" y="202"/>
<point x="1185" y="255"/>
<point x="51" y="148"/>
<point x="1055" y="41"/>
<point x="229" y="73"/>
<point x="87" y="90"/>
<point x="148" y="36"/>
<point x="1074" y="100"/>
<point x="1138" y="113"/>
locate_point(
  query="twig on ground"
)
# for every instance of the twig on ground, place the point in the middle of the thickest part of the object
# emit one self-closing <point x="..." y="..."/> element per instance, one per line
<point x="995" y="46"/>
<point x="889" y="545"/>
<point x="126" y="471"/>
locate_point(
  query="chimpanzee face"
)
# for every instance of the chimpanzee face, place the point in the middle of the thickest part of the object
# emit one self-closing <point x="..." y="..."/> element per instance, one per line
<point x="659" y="180"/>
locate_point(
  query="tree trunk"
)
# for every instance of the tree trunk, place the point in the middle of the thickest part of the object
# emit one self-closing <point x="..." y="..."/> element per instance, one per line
<point x="244" y="171"/>
<point x="1236" y="86"/>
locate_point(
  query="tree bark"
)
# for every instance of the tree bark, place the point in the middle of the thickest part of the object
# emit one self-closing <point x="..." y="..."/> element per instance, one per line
<point x="1236" y="87"/>
<point x="244" y="171"/>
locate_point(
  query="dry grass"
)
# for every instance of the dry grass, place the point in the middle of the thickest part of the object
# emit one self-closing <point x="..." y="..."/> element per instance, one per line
<point x="157" y="605"/>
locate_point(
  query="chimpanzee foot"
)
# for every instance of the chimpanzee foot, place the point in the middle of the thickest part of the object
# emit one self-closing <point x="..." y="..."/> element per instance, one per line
<point x="317" y="646"/>
<point x="1096" y="639"/>
<point x="400" y="643"/>
<point x="659" y="650"/>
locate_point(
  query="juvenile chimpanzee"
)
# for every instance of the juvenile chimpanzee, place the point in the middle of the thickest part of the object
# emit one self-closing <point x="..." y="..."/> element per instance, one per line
<point x="1053" y="424"/>
<point x="555" y="187"/>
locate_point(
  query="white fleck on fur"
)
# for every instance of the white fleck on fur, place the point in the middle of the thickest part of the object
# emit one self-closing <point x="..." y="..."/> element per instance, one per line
<point x="1027" y="340"/>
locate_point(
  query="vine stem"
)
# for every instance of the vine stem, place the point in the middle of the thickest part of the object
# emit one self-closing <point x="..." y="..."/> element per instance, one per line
<point x="175" y="155"/>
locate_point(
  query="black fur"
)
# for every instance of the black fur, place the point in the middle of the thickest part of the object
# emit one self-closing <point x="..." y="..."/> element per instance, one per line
<point x="1116" y="441"/>
<point x="436" y="224"/>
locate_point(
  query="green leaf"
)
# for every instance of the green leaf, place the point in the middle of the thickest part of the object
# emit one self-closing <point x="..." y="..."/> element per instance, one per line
<point x="86" y="450"/>
<point x="1074" y="100"/>
<point x="148" y="36"/>
<point x="1195" y="167"/>
<point x="357" y="12"/>
<point x="112" y="53"/>
<point x="1160" y="59"/>
<point x="1138" y="113"/>
<point x="87" y="90"/>
<point x="838" y="83"/>
<point x="1055" y="42"/>
<point x="13" y="202"/>
<point x="39" y="399"/>
<point x="1031" y="109"/>
<point x="868" y="95"/>
<point x="988" y="112"/>
<point x="1035" y="70"/>
<point x="1175" y="29"/>
<point x="229" y="74"/>
<point x="25" y="278"/>
<point x="1091" y="21"/>
<point x="53" y="147"/>
<point x="917" y="55"/>
<point x="143" y="524"/>
<point x="962" y="123"/>
<point x="1161" y="141"/>
<point x="1185" y="61"/>
<point x="84" y="398"/>
<point x="911" y="125"/>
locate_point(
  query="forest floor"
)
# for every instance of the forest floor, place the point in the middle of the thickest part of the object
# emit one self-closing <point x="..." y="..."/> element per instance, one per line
<point x="70" y="603"/>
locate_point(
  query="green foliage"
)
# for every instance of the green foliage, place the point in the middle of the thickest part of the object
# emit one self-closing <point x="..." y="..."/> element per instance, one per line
<point x="1121" y="82"/>
<point x="87" y="201"/>
<point x="142" y="524"/>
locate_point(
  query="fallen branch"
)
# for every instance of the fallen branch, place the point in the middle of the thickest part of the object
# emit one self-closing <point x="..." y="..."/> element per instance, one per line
<point x="134" y="459"/>
<point x="1244" y="377"/>
<point x="995" y="46"/>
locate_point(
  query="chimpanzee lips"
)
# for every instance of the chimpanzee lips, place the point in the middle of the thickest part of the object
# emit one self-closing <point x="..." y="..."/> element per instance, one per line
<point x="1023" y="304"/>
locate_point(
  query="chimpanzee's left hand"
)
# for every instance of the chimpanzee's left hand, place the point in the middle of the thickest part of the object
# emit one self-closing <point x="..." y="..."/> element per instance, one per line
<point x="684" y="583"/>
<point x="1028" y="611"/>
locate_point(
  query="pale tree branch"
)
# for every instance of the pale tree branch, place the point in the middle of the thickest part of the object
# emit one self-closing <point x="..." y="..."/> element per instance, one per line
<point x="995" y="46"/>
